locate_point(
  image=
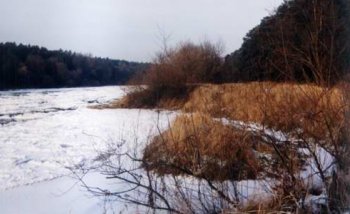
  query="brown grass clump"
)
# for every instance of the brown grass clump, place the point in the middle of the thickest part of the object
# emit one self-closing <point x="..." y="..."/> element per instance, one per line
<point x="200" y="146"/>
<point x="140" y="97"/>
<point x="317" y="111"/>
<point x="172" y="75"/>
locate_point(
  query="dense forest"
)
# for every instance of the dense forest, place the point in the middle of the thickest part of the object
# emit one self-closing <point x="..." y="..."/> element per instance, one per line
<point x="25" y="66"/>
<point x="302" y="41"/>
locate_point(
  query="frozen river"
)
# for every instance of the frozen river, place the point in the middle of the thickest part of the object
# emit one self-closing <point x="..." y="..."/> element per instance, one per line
<point x="44" y="132"/>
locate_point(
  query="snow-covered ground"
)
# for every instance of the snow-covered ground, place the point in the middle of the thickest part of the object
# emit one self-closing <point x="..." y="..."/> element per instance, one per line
<point x="44" y="132"/>
<point x="58" y="196"/>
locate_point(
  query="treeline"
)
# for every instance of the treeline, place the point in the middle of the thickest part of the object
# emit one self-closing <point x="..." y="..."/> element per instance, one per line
<point x="25" y="66"/>
<point x="303" y="41"/>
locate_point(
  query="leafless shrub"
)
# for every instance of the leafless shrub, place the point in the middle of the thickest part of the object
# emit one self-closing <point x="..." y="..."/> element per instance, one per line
<point x="175" y="72"/>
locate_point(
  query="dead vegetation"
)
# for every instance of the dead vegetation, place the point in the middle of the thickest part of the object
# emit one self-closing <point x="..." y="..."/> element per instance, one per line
<point x="283" y="106"/>
<point x="201" y="146"/>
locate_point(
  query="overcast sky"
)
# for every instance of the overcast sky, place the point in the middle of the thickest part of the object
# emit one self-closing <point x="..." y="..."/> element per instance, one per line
<point x="128" y="29"/>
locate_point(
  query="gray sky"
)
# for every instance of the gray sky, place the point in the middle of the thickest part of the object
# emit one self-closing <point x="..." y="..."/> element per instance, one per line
<point x="128" y="29"/>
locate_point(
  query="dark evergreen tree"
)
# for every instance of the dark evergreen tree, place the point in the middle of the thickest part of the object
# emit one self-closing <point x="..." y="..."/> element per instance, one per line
<point x="25" y="66"/>
<point x="305" y="40"/>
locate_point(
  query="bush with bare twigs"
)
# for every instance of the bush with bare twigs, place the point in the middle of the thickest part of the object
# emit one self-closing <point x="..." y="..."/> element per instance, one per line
<point x="175" y="72"/>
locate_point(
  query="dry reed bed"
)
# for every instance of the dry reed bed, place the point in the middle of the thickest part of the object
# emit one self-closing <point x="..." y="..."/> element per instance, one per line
<point x="200" y="146"/>
<point x="317" y="111"/>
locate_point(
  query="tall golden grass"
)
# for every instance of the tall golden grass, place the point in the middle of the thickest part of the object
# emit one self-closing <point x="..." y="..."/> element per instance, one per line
<point x="200" y="146"/>
<point x="282" y="106"/>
